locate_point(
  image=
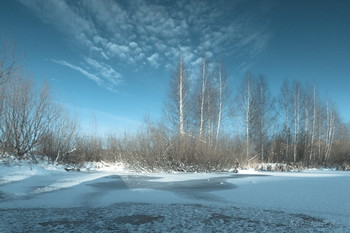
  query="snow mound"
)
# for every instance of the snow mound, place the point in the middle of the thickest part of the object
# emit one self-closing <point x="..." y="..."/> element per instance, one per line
<point x="103" y="166"/>
<point x="278" y="167"/>
<point x="26" y="163"/>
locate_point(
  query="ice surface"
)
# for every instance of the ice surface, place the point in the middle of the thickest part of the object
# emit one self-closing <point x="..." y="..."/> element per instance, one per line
<point x="108" y="198"/>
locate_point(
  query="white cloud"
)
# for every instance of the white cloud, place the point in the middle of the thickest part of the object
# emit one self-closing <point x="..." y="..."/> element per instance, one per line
<point x="107" y="77"/>
<point x="133" y="45"/>
<point x="197" y="62"/>
<point x="160" y="47"/>
<point x="80" y="70"/>
<point x="65" y="18"/>
<point x="110" y="75"/>
<point x="104" y="55"/>
<point x="153" y="60"/>
<point x="116" y="50"/>
<point x="156" y="33"/>
<point x="208" y="54"/>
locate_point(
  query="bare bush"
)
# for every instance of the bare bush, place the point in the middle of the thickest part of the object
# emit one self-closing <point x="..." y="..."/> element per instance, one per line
<point x="59" y="141"/>
<point x="88" y="148"/>
<point x="26" y="116"/>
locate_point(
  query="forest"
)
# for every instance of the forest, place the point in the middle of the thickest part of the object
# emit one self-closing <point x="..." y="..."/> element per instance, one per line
<point x="207" y="124"/>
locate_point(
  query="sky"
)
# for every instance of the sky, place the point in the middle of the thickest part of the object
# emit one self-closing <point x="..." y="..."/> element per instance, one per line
<point x="110" y="61"/>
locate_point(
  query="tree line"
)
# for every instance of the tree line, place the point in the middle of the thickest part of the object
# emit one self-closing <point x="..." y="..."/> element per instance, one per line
<point x="207" y="124"/>
<point x="296" y="126"/>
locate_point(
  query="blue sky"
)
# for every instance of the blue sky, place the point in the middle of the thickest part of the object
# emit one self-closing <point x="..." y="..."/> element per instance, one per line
<point x="110" y="62"/>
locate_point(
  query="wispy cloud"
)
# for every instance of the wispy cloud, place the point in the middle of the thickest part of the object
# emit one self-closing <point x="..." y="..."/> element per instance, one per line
<point x="80" y="70"/>
<point x="108" y="78"/>
<point x="106" y="71"/>
<point x="65" y="17"/>
<point x="155" y="33"/>
<point x="153" y="60"/>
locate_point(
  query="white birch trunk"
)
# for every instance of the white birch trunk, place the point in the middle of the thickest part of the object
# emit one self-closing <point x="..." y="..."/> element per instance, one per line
<point x="201" y="126"/>
<point x="330" y="133"/>
<point x="262" y="123"/>
<point x="296" y="121"/>
<point x="181" y="99"/>
<point x="313" y="126"/>
<point x="220" y="106"/>
<point x="247" y="117"/>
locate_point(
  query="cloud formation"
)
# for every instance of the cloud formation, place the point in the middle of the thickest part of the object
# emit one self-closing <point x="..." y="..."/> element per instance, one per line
<point x="155" y="33"/>
<point x="103" y="75"/>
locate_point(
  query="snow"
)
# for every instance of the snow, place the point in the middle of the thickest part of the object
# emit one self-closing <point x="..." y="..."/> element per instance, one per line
<point x="108" y="198"/>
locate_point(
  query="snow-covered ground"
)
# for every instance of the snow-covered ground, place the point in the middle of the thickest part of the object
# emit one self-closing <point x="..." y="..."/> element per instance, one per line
<point x="110" y="199"/>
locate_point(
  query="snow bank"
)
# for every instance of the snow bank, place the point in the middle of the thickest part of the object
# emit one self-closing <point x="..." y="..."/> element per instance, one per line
<point x="103" y="166"/>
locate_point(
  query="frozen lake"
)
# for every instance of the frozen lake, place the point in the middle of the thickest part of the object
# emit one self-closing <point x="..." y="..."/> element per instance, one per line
<point x="39" y="200"/>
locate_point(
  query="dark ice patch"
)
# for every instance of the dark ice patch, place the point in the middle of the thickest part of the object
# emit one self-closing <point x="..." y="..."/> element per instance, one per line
<point x="137" y="219"/>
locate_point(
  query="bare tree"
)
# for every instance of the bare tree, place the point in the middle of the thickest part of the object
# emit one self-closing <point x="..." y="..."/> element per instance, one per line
<point x="7" y="61"/>
<point x="306" y="106"/>
<point x="178" y="101"/>
<point x="330" y="131"/>
<point x="296" y="119"/>
<point x="27" y="116"/>
<point x="285" y="105"/>
<point x="263" y="114"/>
<point x="7" y="67"/>
<point x="203" y="95"/>
<point x="206" y="104"/>
<point x="223" y="97"/>
<point x="313" y="123"/>
<point x="211" y="111"/>
<point x="246" y="108"/>
<point x="59" y="141"/>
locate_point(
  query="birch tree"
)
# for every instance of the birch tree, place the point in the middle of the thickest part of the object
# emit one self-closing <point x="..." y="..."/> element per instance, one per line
<point x="203" y="95"/>
<point x="285" y="105"/>
<point x="313" y="123"/>
<point x="211" y="109"/>
<point x="182" y="96"/>
<point x="176" y="109"/>
<point x="330" y="131"/>
<point x="223" y="97"/>
<point x="246" y="110"/>
<point x="320" y="126"/>
<point x="296" y="119"/>
<point x="262" y="115"/>
<point x="307" y="116"/>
